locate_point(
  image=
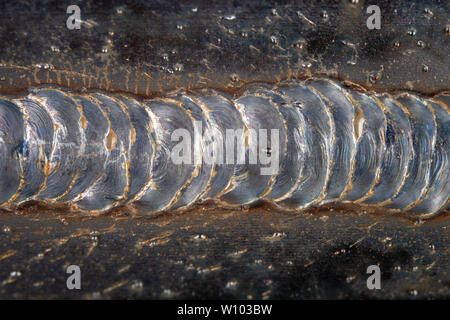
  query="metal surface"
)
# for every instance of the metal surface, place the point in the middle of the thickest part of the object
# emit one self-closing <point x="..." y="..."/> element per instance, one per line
<point x="150" y="47"/>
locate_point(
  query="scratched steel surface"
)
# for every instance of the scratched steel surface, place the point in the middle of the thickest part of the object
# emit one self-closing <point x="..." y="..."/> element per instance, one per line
<point x="148" y="47"/>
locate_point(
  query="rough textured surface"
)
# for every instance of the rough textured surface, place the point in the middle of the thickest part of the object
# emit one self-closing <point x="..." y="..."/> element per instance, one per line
<point x="150" y="47"/>
<point x="147" y="47"/>
<point x="214" y="253"/>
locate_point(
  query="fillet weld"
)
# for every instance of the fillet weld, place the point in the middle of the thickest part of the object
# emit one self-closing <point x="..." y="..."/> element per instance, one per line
<point x="335" y="143"/>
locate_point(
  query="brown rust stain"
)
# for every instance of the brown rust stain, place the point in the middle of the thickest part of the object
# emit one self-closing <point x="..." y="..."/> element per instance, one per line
<point x="110" y="140"/>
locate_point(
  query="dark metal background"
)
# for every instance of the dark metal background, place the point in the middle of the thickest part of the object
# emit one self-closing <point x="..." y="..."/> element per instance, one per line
<point x="148" y="47"/>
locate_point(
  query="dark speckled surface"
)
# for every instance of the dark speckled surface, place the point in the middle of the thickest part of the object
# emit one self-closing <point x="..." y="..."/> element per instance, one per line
<point x="210" y="253"/>
<point x="148" y="47"/>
